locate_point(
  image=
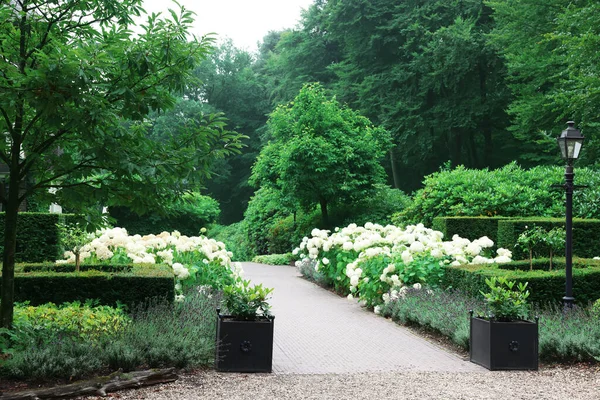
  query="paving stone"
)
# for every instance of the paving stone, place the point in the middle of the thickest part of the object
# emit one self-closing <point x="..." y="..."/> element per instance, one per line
<point x="319" y="332"/>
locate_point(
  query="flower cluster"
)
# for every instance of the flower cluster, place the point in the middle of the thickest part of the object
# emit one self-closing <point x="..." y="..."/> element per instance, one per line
<point x="376" y="262"/>
<point x="195" y="260"/>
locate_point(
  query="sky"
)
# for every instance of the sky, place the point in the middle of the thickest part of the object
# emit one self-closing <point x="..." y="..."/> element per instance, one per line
<point x="246" y="22"/>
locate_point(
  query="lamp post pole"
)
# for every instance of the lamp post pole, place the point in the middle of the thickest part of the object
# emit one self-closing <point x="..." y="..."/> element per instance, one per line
<point x="570" y="143"/>
<point x="568" y="299"/>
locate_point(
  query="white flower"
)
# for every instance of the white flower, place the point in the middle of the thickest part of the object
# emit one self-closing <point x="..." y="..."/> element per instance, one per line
<point x="179" y="298"/>
<point x="354" y="280"/>
<point x="417" y="286"/>
<point x="350" y="297"/>
<point x="417" y="247"/>
<point x="325" y="261"/>
<point x="377" y="310"/>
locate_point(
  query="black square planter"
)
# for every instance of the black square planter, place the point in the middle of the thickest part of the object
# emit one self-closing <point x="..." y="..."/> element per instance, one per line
<point x="244" y="346"/>
<point x="499" y="345"/>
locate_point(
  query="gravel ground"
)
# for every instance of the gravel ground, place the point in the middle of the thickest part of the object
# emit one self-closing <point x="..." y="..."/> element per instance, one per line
<point x="547" y="384"/>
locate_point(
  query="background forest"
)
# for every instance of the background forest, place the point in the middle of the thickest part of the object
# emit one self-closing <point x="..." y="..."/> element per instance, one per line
<point x="439" y="83"/>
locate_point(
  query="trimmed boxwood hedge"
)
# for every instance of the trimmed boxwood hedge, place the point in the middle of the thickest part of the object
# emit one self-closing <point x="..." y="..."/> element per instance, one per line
<point x="468" y="227"/>
<point x="545" y="286"/>
<point x="586" y="235"/>
<point x="129" y="286"/>
<point x="37" y="236"/>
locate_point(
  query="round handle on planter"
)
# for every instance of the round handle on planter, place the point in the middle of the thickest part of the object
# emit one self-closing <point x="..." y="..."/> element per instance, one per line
<point x="513" y="346"/>
<point x="246" y="346"/>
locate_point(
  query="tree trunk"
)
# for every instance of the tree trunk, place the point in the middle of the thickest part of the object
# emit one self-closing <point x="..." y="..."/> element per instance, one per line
<point x="10" y="246"/>
<point x="531" y="258"/>
<point x="77" y="261"/>
<point x="395" y="175"/>
<point x="324" y="213"/>
<point x="551" y="253"/>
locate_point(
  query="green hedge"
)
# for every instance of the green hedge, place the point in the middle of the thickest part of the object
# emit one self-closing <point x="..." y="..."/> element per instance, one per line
<point x="51" y="267"/>
<point x="468" y="227"/>
<point x="37" y="236"/>
<point x="545" y="286"/>
<point x="130" y="287"/>
<point x="586" y="235"/>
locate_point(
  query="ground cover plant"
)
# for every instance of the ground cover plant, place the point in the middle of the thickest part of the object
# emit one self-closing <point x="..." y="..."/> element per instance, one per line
<point x="563" y="337"/>
<point x="156" y="334"/>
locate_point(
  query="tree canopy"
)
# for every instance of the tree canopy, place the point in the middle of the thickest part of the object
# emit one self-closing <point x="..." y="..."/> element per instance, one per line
<point x="321" y="153"/>
<point x="76" y="85"/>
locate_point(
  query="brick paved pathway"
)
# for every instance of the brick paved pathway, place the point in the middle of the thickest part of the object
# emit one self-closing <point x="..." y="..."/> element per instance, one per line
<point x="318" y="332"/>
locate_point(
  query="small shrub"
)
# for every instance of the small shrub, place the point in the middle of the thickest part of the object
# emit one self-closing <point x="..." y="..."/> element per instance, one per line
<point x="274" y="259"/>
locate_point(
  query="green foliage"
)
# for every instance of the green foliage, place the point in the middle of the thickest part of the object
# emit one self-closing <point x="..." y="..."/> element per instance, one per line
<point x="568" y="337"/>
<point x="443" y="311"/>
<point x="596" y="309"/>
<point x="38" y="238"/>
<point x="85" y="320"/>
<point x="128" y="286"/>
<point x="565" y="338"/>
<point x="546" y="287"/>
<point x="187" y="215"/>
<point x="586" y="233"/>
<point x="274" y="259"/>
<point x="532" y="238"/>
<point x="509" y="191"/>
<point x="553" y="71"/>
<point x="377" y="208"/>
<point x="235" y="237"/>
<point x="245" y="302"/>
<point x="506" y="301"/>
<point x="321" y="153"/>
<point x="159" y="334"/>
<point x="467" y="227"/>
<point x="230" y="83"/>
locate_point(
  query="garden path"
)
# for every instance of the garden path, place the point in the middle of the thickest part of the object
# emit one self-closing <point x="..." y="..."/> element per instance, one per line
<point x="318" y="332"/>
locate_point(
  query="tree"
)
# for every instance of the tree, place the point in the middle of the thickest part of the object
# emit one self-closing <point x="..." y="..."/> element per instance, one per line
<point x="230" y="84"/>
<point x="76" y="84"/>
<point x="554" y="71"/>
<point x="321" y="153"/>
<point x="423" y="69"/>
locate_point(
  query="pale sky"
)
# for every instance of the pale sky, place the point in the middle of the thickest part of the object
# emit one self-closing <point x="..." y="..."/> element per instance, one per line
<point x="244" y="21"/>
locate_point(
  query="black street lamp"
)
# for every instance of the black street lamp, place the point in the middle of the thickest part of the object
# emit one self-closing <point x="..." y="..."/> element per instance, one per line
<point x="570" y="143"/>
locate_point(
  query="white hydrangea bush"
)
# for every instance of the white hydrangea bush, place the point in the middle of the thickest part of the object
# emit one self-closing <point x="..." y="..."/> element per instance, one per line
<point x="376" y="263"/>
<point x="188" y="256"/>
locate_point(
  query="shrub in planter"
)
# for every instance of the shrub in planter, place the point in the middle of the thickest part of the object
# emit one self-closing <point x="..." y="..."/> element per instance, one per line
<point x="245" y="333"/>
<point x="502" y="339"/>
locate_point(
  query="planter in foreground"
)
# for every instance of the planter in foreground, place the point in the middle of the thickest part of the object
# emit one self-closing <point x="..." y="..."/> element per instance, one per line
<point x="498" y="345"/>
<point x="244" y="346"/>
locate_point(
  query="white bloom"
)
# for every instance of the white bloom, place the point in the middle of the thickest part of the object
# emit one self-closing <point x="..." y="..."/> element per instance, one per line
<point x="417" y="286"/>
<point x="179" y="297"/>
<point x="417" y="247"/>
<point x="354" y="280"/>
<point x="377" y="310"/>
<point x="325" y="261"/>
<point x="350" y="297"/>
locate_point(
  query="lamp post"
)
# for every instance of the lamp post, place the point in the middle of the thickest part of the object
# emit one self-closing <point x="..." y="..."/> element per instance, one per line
<point x="570" y="143"/>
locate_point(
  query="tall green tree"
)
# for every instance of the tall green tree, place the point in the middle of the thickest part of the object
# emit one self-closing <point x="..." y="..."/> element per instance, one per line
<point x="72" y="73"/>
<point x="551" y="53"/>
<point x="423" y="69"/>
<point x="321" y="153"/>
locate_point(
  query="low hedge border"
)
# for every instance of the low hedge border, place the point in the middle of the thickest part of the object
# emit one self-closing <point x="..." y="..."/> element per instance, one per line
<point x="546" y="287"/>
<point x="130" y="287"/>
<point x="51" y="267"/>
